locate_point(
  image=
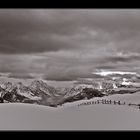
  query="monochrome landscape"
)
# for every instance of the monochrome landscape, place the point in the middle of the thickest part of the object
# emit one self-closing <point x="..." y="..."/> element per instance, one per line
<point x="69" y="69"/>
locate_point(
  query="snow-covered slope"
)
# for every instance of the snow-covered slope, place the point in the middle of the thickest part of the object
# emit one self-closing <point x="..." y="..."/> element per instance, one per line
<point x="97" y="117"/>
<point x="128" y="98"/>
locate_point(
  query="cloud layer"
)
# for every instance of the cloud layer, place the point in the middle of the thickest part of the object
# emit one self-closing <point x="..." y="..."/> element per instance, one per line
<point x="68" y="44"/>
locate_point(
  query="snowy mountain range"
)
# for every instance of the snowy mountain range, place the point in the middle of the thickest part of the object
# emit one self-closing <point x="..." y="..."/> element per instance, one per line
<point x="39" y="92"/>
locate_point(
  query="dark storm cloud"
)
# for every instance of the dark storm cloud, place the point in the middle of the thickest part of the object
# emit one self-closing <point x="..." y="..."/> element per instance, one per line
<point x="26" y="31"/>
<point x="65" y="45"/>
<point x="70" y="76"/>
<point x="20" y="76"/>
<point x="123" y="58"/>
<point x="29" y="31"/>
<point x="105" y="67"/>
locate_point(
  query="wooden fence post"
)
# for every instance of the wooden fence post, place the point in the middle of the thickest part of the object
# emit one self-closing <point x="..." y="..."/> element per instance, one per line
<point x="138" y="106"/>
<point x="119" y="102"/>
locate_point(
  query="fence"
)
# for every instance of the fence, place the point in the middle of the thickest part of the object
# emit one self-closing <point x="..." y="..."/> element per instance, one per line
<point x="110" y="102"/>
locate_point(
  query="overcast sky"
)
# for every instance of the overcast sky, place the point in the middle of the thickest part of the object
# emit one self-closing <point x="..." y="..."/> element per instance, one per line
<point x="68" y="44"/>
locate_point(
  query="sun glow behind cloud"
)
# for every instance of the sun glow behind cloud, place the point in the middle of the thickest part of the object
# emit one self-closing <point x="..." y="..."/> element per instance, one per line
<point x="106" y="73"/>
